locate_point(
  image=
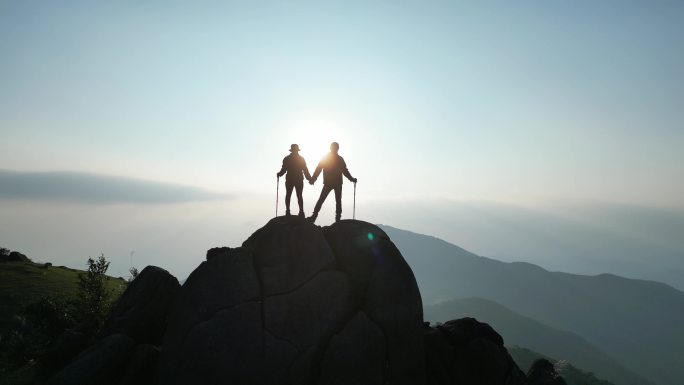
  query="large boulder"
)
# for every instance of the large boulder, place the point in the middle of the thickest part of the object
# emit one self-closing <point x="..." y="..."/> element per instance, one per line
<point x="142" y="366"/>
<point x="67" y="346"/>
<point x="384" y="286"/>
<point x="298" y="304"/>
<point x="468" y="352"/>
<point x="141" y="311"/>
<point x="100" y="364"/>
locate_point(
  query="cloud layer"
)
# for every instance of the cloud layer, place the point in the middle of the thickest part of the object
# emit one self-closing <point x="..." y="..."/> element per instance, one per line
<point x="96" y="188"/>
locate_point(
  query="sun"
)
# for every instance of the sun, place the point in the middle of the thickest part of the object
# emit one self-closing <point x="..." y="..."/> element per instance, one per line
<point x="314" y="137"/>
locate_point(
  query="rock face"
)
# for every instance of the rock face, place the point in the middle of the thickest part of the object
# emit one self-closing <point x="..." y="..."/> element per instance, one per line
<point x="298" y="304"/>
<point x="295" y="304"/>
<point x="142" y="309"/>
<point x="542" y="372"/>
<point x="466" y="351"/>
<point x="142" y="366"/>
<point x="100" y="364"/>
<point x="67" y="346"/>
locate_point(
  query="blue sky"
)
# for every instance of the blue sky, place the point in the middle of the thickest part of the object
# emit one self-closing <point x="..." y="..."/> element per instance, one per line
<point x="516" y="103"/>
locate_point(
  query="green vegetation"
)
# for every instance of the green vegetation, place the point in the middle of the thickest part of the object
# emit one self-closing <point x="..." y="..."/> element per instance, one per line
<point x="22" y="284"/>
<point x="38" y="302"/>
<point x="134" y="274"/>
<point x="572" y="375"/>
<point x="94" y="298"/>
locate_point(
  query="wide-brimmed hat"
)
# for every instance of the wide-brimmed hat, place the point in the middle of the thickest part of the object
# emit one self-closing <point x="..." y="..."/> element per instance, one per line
<point x="294" y="147"/>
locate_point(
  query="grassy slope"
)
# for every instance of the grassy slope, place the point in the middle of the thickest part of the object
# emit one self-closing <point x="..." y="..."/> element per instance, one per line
<point x="22" y="283"/>
<point x="573" y="376"/>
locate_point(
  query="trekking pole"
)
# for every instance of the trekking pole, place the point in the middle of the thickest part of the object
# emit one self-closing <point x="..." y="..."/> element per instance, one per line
<point x="354" y="212"/>
<point x="277" y="188"/>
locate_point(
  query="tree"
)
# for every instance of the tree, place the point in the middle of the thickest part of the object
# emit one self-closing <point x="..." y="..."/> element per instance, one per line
<point x="94" y="299"/>
<point x="134" y="274"/>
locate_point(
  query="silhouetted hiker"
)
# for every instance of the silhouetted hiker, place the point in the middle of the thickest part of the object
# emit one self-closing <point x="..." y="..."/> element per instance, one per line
<point x="333" y="167"/>
<point x="295" y="167"/>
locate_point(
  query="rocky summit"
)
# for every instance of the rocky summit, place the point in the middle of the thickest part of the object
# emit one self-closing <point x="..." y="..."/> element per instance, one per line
<point x="298" y="304"/>
<point x="295" y="304"/>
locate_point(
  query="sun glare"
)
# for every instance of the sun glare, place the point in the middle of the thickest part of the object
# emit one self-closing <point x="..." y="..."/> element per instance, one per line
<point x="314" y="137"/>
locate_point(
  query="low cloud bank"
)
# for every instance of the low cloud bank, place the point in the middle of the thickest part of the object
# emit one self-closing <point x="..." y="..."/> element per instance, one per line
<point x="77" y="187"/>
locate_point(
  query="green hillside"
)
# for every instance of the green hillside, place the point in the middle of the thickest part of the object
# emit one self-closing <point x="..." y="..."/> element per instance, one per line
<point x="572" y="375"/>
<point x="23" y="283"/>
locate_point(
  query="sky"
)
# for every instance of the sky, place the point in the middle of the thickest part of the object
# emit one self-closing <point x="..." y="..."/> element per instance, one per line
<point x="151" y="131"/>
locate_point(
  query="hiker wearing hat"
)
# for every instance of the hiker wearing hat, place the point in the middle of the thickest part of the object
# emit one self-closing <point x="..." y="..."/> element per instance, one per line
<point x="333" y="167"/>
<point x="295" y="167"/>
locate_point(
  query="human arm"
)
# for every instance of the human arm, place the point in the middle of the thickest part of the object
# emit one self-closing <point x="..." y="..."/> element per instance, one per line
<point x="283" y="169"/>
<point x="349" y="176"/>
<point x="306" y="170"/>
<point x="316" y="173"/>
<point x="346" y="172"/>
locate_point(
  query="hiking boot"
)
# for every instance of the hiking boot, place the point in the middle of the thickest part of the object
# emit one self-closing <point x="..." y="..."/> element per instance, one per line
<point x="287" y="213"/>
<point x="313" y="217"/>
<point x="301" y="214"/>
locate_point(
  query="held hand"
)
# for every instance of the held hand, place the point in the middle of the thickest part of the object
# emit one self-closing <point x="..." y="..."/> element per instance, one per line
<point x="354" y="180"/>
<point x="311" y="181"/>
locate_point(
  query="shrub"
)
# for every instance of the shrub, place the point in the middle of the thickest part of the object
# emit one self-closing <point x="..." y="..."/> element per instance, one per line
<point x="51" y="316"/>
<point x="134" y="274"/>
<point x="94" y="299"/>
<point x="30" y="334"/>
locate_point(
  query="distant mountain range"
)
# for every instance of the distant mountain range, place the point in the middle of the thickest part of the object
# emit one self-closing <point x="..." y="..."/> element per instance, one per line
<point x="572" y="375"/>
<point x="518" y="330"/>
<point x="636" y="323"/>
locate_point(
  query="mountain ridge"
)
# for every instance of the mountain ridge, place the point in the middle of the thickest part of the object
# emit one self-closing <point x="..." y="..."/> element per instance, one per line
<point x="636" y="322"/>
<point x="519" y="330"/>
<point x="524" y="263"/>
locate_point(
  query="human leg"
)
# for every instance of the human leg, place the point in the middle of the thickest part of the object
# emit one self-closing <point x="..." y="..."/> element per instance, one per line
<point x="300" y="200"/>
<point x="338" y="202"/>
<point x="288" y="194"/>
<point x="324" y="194"/>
